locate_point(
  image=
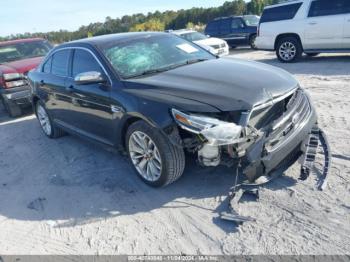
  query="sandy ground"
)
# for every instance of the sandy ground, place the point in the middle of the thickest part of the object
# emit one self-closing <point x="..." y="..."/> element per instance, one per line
<point x="68" y="196"/>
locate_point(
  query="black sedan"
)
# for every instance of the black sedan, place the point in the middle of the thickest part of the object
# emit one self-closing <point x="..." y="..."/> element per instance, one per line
<point x="156" y="95"/>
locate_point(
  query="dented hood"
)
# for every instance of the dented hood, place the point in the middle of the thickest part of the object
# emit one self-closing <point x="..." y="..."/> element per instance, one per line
<point x="227" y="84"/>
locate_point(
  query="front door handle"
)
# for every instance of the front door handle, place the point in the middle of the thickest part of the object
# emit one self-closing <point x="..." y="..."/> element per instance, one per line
<point x="313" y="23"/>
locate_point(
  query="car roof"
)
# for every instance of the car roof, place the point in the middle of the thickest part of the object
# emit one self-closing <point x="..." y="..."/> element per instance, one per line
<point x="17" y="41"/>
<point x="120" y="37"/>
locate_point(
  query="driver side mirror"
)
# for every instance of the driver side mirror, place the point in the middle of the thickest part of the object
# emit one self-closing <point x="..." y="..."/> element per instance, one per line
<point x="92" y="77"/>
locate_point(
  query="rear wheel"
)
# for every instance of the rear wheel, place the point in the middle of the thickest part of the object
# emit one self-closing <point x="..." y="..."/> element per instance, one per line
<point x="289" y="49"/>
<point x="252" y="42"/>
<point x="11" y="107"/>
<point x="156" y="160"/>
<point x="45" y="121"/>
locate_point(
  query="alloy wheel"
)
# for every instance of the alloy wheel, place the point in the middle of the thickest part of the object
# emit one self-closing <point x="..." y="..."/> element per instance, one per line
<point x="44" y="120"/>
<point x="287" y="51"/>
<point x="145" y="156"/>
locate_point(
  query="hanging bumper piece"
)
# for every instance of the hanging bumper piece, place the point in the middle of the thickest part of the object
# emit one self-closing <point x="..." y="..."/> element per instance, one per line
<point x="316" y="138"/>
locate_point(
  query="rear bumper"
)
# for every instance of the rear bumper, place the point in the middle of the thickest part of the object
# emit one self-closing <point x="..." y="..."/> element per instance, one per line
<point x="265" y="43"/>
<point x="19" y="95"/>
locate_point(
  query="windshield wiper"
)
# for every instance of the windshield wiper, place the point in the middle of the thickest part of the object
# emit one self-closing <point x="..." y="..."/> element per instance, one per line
<point x="192" y="61"/>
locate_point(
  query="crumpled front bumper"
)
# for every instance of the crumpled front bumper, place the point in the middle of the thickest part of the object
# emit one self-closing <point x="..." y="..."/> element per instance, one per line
<point x="260" y="161"/>
<point x="19" y="95"/>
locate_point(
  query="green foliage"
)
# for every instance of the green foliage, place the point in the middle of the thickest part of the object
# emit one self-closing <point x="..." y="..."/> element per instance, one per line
<point x="157" y="21"/>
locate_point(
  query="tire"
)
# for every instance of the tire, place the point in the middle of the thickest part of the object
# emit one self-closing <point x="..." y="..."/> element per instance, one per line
<point x="170" y="159"/>
<point x="49" y="129"/>
<point x="11" y="108"/>
<point x="289" y="50"/>
<point x="252" y="42"/>
<point x="312" y="54"/>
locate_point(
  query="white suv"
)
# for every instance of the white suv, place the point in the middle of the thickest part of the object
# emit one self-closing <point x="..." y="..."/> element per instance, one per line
<point x="309" y="26"/>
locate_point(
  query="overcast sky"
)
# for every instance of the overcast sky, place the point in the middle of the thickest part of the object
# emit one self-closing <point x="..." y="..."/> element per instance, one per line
<point x="19" y="16"/>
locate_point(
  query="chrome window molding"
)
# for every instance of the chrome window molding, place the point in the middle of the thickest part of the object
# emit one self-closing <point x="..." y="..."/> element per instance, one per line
<point x="81" y="48"/>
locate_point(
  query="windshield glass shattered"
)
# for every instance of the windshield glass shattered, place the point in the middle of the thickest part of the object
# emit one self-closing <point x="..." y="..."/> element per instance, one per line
<point x="19" y="51"/>
<point x="153" y="53"/>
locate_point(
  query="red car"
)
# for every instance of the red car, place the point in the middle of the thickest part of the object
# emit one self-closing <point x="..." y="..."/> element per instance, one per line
<point x="17" y="58"/>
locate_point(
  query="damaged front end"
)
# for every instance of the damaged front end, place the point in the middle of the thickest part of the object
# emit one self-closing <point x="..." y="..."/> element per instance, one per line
<point x="267" y="138"/>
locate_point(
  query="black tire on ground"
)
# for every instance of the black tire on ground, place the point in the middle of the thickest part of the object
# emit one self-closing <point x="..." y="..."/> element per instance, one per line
<point x="289" y="42"/>
<point x="172" y="157"/>
<point x="252" y="42"/>
<point x="11" y="107"/>
<point x="312" y="54"/>
<point x="56" y="132"/>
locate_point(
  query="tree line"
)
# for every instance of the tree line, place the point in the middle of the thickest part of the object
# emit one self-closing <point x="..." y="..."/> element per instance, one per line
<point x="156" y="21"/>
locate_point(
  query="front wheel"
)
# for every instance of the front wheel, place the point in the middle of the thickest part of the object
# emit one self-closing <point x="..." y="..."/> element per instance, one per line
<point x="156" y="160"/>
<point x="289" y="50"/>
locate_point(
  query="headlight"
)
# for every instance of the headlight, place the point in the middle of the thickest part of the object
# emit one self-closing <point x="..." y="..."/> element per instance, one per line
<point x="217" y="132"/>
<point x="12" y="76"/>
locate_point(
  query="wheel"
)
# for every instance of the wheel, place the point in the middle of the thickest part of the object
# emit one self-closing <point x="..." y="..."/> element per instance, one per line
<point x="252" y="42"/>
<point x="312" y="54"/>
<point x="289" y="50"/>
<point x="11" y="108"/>
<point x="156" y="160"/>
<point x="45" y="121"/>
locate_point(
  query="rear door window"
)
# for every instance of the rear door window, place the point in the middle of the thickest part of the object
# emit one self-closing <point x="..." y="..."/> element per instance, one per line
<point x="280" y="13"/>
<point x="60" y="61"/>
<point x="327" y="7"/>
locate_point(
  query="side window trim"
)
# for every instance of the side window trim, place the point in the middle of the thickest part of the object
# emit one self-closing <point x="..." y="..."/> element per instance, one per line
<point x="49" y="59"/>
<point x="93" y="55"/>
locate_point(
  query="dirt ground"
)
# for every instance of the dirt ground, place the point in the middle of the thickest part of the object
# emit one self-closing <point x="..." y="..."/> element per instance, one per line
<point x="68" y="196"/>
